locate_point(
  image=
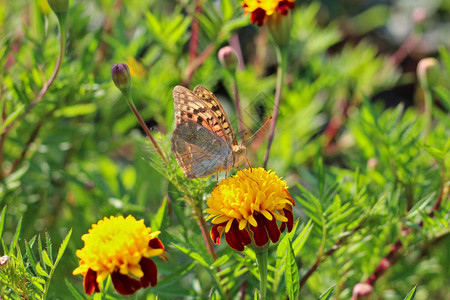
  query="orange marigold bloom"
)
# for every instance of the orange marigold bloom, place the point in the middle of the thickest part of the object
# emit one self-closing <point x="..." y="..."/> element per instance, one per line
<point x="259" y="9"/>
<point x="120" y="247"/>
<point x="253" y="199"/>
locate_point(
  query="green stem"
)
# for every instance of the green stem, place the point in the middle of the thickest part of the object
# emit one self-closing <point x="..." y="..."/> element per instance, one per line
<point x="281" y="71"/>
<point x="133" y="108"/>
<point x="46" y="86"/>
<point x="262" y="257"/>
<point x="428" y="105"/>
<point x="241" y="127"/>
<point x="62" y="50"/>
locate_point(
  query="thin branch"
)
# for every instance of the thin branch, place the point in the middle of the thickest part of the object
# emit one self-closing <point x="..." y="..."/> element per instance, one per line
<point x="195" y="28"/>
<point x="196" y="63"/>
<point x="392" y="257"/>
<point x="238" y="106"/>
<point x="281" y="70"/>
<point x="47" y="85"/>
<point x="333" y="249"/>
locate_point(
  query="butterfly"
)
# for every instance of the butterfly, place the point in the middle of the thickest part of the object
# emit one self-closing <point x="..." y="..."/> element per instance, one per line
<point x="203" y="141"/>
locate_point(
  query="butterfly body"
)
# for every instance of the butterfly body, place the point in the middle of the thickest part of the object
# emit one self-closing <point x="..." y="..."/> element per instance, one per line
<point x="203" y="141"/>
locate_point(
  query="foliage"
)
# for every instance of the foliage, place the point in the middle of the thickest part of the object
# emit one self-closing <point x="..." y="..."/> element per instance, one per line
<point x="370" y="177"/>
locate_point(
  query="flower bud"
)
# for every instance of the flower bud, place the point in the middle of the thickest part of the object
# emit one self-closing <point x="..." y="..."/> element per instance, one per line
<point x="428" y="72"/>
<point x="362" y="291"/>
<point x="280" y="27"/>
<point x="121" y="76"/>
<point x="419" y="15"/>
<point x="228" y="58"/>
<point x="4" y="260"/>
<point x="59" y="6"/>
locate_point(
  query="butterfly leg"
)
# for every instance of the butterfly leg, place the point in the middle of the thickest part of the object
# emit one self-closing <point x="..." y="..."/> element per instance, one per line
<point x="249" y="164"/>
<point x="247" y="175"/>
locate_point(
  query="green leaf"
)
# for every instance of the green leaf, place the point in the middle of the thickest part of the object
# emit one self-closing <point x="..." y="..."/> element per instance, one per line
<point x="12" y="117"/>
<point x="40" y="250"/>
<point x="30" y="255"/>
<point x="47" y="260"/>
<point x="159" y="219"/>
<point x="41" y="271"/>
<point x="227" y="9"/>
<point x="291" y="274"/>
<point x="177" y="275"/>
<point x="75" y="292"/>
<point x="48" y="242"/>
<point x="2" y="221"/>
<point x="301" y="239"/>
<point x="76" y="110"/>
<point x="15" y="240"/>
<point x="327" y="294"/>
<point x="220" y="261"/>
<point x="63" y="246"/>
<point x="194" y="255"/>
<point x="411" y="294"/>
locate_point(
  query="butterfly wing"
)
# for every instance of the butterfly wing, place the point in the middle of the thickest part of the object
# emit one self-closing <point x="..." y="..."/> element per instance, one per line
<point x="203" y="108"/>
<point x="198" y="151"/>
<point x="217" y="108"/>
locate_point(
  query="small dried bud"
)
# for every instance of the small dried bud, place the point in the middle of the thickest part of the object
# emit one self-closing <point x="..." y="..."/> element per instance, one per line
<point x="4" y="260"/>
<point x="228" y="58"/>
<point x="362" y="291"/>
<point x="428" y="72"/>
<point x="121" y="76"/>
<point x="59" y="6"/>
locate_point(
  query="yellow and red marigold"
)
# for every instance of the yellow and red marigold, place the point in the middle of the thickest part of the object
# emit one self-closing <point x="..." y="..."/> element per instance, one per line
<point x="120" y="247"/>
<point x="259" y="9"/>
<point x="252" y="200"/>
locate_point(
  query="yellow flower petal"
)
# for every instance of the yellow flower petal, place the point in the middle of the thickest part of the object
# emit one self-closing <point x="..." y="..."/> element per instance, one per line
<point x="116" y="244"/>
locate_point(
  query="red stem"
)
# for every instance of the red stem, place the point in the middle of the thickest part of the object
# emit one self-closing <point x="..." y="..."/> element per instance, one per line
<point x="392" y="257"/>
<point x="208" y="242"/>
<point x="195" y="27"/>
<point x="196" y="63"/>
<point x="320" y="259"/>
<point x="31" y="139"/>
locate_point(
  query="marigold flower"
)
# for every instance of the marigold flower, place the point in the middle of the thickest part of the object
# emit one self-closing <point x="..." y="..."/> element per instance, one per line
<point x="259" y="9"/>
<point x="119" y="247"/>
<point x="253" y="199"/>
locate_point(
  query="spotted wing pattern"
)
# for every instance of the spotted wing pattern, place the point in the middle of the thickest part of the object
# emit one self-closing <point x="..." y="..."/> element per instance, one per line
<point x="203" y="108"/>
<point x="199" y="151"/>
<point x="217" y="108"/>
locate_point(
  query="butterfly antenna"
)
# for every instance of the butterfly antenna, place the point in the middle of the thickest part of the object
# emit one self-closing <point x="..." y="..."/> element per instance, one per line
<point x="262" y="126"/>
<point x="243" y="139"/>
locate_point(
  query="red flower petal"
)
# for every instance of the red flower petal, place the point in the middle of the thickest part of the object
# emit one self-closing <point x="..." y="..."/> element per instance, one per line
<point x="237" y="239"/>
<point x="284" y="6"/>
<point x="258" y="16"/>
<point x="289" y="197"/>
<point x="123" y="284"/>
<point x="216" y="232"/>
<point x="259" y="232"/>
<point x="290" y="223"/>
<point x="155" y="243"/>
<point x="90" y="282"/>
<point x="150" y="272"/>
<point x="272" y="229"/>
